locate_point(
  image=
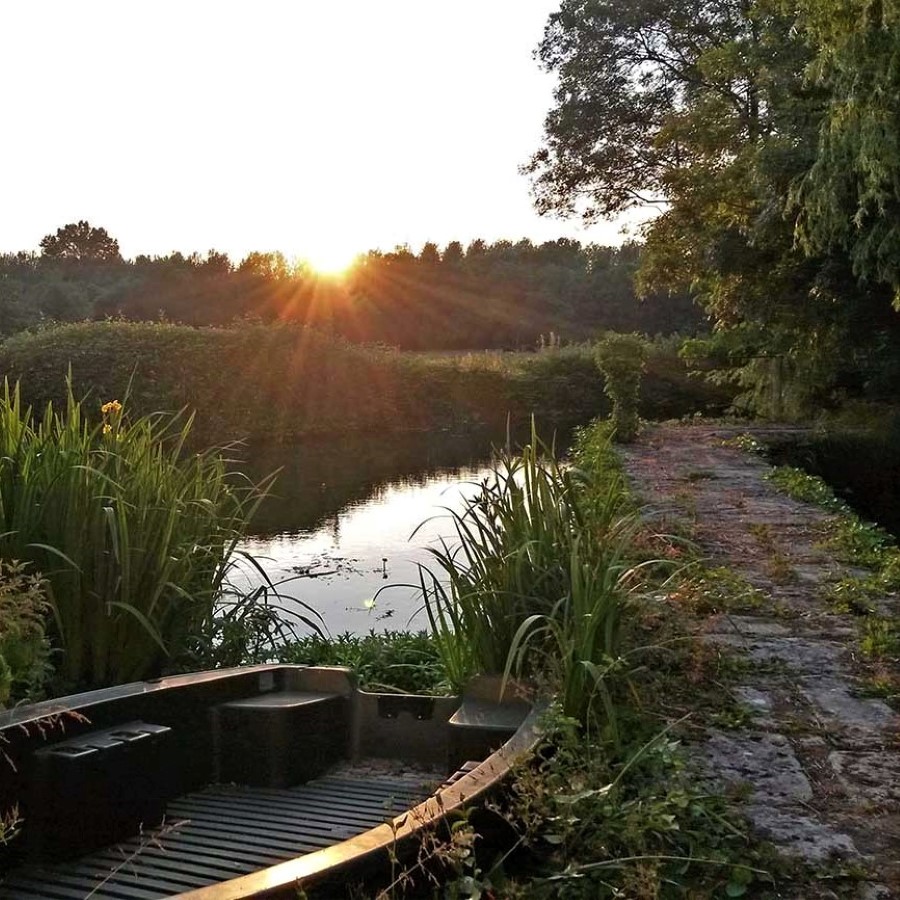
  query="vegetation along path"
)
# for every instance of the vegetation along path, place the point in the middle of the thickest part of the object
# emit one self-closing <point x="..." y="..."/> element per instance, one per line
<point x="817" y="760"/>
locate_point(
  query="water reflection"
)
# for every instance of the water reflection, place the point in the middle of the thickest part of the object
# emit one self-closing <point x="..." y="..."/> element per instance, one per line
<point x="342" y="514"/>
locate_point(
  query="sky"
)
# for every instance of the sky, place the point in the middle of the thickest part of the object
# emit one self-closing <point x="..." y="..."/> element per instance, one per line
<point x="320" y="129"/>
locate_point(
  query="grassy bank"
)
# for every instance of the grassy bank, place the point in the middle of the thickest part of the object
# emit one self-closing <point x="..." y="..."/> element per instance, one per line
<point x="277" y="383"/>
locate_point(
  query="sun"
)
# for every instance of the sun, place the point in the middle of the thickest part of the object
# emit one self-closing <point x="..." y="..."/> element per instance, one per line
<point x="332" y="261"/>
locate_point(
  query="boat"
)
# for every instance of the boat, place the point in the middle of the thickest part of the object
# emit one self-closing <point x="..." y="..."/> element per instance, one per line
<point x="250" y="782"/>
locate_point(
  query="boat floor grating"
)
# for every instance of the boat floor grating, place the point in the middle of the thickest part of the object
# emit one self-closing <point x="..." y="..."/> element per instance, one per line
<point x="221" y="832"/>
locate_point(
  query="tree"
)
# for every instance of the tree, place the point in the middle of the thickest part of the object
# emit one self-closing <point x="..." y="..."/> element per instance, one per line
<point x="634" y="81"/>
<point x="705" y="110"/>
<point x="79" y="242"/>
<point x="850" y="198"/>
<point x="217" y="263"/>
<point x="453" y="253"/>
<point x="271" y="266"/>
<point x="429" y="254"/>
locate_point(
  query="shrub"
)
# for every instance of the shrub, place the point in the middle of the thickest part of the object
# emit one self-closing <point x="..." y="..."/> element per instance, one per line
<point x="383" y="661"/>
<point x="621" y="358"/>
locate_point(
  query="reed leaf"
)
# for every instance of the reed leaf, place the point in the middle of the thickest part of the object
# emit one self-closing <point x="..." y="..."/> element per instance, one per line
<point x="537" y="578"/>
<point x="134" y="535"/>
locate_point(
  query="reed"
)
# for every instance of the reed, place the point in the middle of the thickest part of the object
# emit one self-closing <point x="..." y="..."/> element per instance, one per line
<point x="537" y="577"/>
<point x="133" y="534"/>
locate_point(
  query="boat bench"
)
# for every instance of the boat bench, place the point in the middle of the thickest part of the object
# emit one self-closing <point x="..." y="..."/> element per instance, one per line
<point x="92" y="789"/>
<point x="479" y="727"/>
<point x="279" y="739"/>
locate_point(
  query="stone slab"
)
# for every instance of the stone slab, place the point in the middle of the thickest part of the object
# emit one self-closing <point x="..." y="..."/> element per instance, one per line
<point x="873" y="774"/>
<point x="796" y="833"/>
<point x="765" y="762"/>
<point x="833" y="697"/>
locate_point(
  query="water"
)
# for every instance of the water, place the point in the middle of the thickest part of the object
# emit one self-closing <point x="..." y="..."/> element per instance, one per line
<point x="343" y="516"/>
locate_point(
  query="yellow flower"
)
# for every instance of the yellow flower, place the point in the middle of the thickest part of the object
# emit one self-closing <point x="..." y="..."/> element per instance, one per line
<point x="107" y="428"/>
<point x="112" y="407"/>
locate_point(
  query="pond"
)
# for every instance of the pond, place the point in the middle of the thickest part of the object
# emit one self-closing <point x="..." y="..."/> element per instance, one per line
<point x="862" y="467"/>
<point x="350" y="520"/>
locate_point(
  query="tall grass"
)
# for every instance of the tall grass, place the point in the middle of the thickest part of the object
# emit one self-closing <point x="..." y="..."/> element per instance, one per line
<point x="537" y="577"/>
<point x="134" y="535"/>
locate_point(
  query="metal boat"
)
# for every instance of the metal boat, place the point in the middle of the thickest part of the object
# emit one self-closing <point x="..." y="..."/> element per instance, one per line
<point x="250" y="782"/>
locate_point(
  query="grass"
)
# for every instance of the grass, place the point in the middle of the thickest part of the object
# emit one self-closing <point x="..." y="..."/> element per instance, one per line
<point x="609" y="807"/>
<point x="134" y="535"/>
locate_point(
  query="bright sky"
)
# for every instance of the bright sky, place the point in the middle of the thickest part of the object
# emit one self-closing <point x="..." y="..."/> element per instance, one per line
<point x="316" y="128"/>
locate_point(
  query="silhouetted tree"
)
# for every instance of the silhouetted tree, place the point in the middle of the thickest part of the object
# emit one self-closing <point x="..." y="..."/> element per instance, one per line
<point x="453" y="253"/>
<point x="81" y="243"/>
<point x="430" y="254"/>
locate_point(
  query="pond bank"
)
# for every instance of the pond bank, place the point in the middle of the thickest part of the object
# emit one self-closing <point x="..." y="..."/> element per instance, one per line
<point x="819" y="762"/>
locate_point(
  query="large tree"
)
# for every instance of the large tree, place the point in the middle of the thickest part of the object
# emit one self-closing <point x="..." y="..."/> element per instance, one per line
<point x="705" y="109"/>
<point x="850" y="198"/>
<point x="80" y="242"/>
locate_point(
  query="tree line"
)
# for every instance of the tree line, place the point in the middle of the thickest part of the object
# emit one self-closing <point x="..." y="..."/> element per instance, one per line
<point x="482" y="295"/>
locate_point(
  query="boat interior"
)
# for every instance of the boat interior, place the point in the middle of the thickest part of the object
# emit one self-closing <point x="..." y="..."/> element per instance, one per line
<point x="164" y="788"/>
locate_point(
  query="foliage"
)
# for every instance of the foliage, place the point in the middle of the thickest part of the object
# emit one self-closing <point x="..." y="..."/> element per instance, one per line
<point x="80" y="243"/>
<point x="499" y="295"/>
<point x="537" y="579"/>
<point x="135" y="536"/>
<point x="709" y="111"/>
<point x="859" y="543"/>
<point x="383" y="661"/>
<point x="277" y="382"/>
<point x="709" y="591"/>
<point x="809" y="488"/>
<point x="633" y="823"/>
<point x="24" y="649"/>
<point x="621" y="358"/>
<point x="849" y="199"/>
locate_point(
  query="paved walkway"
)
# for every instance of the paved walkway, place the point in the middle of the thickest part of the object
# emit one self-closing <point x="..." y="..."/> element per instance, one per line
<point x="822" y="762"/>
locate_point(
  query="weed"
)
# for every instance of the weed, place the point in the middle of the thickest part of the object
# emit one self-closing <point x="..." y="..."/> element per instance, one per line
<point x="24" y="649"/>
<point x="747" y="443"/>
<point x="809" y="488"/>
<point x="700" y="475"/>
<point x="708" y="591"/>
<point x="621" y="358"/>
<point x="855" y="596"/>
<point x="629" y="824"/>
<point x="882" y="684"/>
<point x="539" y="575"/>
<point x="880" y="637"/>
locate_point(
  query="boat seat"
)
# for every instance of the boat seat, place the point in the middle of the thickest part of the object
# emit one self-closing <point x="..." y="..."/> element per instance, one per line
<point x="95" y="788"/>
<point x="479" y="727"/>
<point x="281" y="738"/>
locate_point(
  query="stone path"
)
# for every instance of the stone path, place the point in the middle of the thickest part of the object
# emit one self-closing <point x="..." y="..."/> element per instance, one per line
<point x="821" y="762"/>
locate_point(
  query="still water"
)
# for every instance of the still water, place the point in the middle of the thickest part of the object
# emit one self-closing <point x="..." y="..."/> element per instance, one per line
<point x="349" y="522"/>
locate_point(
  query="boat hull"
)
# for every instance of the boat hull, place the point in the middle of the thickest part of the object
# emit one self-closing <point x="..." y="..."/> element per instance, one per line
<point x="236" y="764"/>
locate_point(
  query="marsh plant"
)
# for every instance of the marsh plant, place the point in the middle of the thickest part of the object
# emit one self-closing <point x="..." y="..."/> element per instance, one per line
<point x="537" y="577"/>
<point x="135" y="536"/>
<point x="408" y="662"/>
